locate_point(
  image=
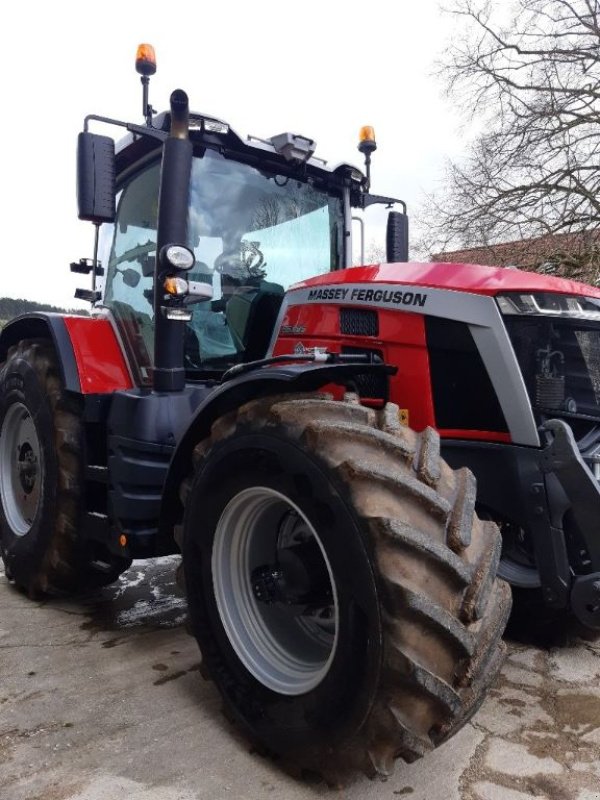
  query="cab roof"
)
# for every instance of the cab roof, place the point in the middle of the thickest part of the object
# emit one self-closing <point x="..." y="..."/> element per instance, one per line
<point x="212" y="130"/>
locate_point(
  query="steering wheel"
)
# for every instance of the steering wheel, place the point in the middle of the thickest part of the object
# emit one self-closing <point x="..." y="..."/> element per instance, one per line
<point x="137" y="253"/>
<point x="244" y="260"/>
<point x="252" y="258"/>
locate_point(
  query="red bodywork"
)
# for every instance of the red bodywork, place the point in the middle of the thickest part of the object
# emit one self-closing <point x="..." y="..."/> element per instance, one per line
<point x="458" y="277"/>
<point x="401" y="339"/>
<point x="100" y="362"/>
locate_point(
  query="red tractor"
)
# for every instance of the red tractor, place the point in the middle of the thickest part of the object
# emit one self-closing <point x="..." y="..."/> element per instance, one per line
<point x="340" y="586"/>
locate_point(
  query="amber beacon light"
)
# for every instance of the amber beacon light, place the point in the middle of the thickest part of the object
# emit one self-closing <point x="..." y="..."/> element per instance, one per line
<point x="367" y="145"/>
<point x="366" y="139"/>
<point x="145" y="60"/>
<point x="145" y="65"/>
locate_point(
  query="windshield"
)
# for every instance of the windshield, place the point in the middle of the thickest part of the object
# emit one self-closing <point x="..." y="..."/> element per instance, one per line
<point x="253" y="233"/>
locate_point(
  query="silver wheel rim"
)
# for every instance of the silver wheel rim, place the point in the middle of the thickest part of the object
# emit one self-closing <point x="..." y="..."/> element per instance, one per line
<point x="288" y="648"/>
<point x="20" y="469"/>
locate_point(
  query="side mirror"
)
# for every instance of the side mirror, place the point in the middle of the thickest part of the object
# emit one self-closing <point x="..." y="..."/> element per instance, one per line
<point x="96" y="178"/>
<point x="396" y="237"/>
<point x="130" y="277"/>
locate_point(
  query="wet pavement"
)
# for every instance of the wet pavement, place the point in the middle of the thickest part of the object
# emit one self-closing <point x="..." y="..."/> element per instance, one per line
<point x="102" y="698"/>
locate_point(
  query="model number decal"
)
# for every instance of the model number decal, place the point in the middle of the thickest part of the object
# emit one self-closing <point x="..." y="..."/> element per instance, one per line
<point x="382" y="296"/>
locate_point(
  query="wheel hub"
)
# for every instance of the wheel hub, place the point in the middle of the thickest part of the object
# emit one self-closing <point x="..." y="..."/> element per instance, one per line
<point x="20" y="469"/>
<point x="27" y="467"/>
<point x="299" y="576"/>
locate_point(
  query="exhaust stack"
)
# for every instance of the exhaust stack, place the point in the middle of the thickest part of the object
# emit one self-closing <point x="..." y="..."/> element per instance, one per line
<point x="180" y="115"/>
<point x="169" y="373"/>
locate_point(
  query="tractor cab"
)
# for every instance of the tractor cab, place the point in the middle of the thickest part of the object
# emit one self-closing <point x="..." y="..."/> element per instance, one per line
<point x="256" y="215"/>
<point x="253" y="228"/>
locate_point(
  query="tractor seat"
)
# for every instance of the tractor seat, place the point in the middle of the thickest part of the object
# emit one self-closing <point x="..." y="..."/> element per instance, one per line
<point x="251" y="316"/>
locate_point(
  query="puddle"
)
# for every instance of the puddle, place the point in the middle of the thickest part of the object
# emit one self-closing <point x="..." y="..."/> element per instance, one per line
<point x="144" y="597"/>
<point x="577" y="711"/>
<point x="553" y="724"/>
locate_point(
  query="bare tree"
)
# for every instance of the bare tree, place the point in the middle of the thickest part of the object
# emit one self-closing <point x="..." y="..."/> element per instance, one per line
<point x="375" y="253"/>
<point x="529" y="76"/>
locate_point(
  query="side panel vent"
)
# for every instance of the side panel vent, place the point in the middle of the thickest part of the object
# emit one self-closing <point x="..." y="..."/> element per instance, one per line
<point x="375" y="387"/>
<point x="359" y="322"/>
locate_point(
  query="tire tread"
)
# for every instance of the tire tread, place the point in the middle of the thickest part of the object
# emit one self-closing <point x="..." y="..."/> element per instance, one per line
<point x="429" y="515"/>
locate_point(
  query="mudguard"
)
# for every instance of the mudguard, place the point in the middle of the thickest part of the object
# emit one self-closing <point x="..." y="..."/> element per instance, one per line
<point x="89" y="354"/>
<point x="234" y="393"/>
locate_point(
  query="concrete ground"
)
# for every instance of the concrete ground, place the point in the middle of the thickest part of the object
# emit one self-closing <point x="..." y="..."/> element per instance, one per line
<point x="102" y="699"/>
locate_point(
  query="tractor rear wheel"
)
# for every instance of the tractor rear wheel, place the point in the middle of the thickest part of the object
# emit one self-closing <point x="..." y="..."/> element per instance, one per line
<point x="341" y="588"/>
<point x="41" y="465"/>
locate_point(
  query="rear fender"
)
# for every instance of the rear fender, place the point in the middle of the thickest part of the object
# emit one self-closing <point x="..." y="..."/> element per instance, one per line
<point x="90" y="356"/>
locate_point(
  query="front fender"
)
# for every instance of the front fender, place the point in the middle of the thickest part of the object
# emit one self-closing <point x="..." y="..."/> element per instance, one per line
<point x="289" y="379"/>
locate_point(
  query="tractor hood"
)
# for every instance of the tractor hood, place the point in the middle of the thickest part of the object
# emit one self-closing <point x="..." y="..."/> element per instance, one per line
<point x="472" y="278"/>
<point x="489" y="311"/>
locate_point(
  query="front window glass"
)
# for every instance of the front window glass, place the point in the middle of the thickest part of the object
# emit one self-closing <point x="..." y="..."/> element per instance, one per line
<point x="253" y="233"/>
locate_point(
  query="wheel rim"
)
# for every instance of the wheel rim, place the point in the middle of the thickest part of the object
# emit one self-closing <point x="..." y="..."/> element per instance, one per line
<point x="285" y="642"/>
<point x="20" y="469"/>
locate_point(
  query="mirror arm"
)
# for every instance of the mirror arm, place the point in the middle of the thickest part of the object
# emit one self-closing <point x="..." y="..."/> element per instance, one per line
<point x="367" y="200"/>
<point x="142" y="130"/>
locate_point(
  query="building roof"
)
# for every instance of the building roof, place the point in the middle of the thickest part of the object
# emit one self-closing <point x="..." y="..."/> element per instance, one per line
<point x="574" y="254"/>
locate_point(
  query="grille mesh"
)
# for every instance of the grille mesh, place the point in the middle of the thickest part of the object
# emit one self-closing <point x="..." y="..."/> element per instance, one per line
<point x="371" y="386"/>
<point x="359" y="322"/>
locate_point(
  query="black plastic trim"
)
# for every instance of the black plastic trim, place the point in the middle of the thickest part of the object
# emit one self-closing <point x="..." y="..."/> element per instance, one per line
<point x="561" y="457"/>
<point x="463" y="394"/>
<point x="585" y="600"/>
<point x="41" y="325"/>
<point x="535" y="488"/>
<point x="512" y="486"/>
<point x="143" y="429"/>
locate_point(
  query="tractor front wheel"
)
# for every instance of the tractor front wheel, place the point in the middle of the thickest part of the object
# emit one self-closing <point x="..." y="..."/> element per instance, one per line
<point x="340" y="587"/>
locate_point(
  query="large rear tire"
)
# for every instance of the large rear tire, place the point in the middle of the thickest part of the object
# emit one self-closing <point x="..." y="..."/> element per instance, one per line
<point x="41" y="484"/>
<point x="340" y="586"/>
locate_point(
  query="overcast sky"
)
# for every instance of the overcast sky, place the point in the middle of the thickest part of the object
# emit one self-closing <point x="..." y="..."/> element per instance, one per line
<point x="322" y="69"/>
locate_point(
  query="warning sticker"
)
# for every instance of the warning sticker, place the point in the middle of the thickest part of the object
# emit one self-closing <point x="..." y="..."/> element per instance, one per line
<point x="403" y="416"/>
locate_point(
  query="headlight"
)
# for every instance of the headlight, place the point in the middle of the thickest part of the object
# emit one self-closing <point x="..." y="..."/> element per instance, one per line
<point x="177" y="256"/>
<point x="549" y="305"/>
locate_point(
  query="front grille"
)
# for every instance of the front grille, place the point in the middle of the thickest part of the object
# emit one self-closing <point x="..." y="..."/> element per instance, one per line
<point x="373" y="386"/>
<point x="359" y="322"/>
<point x="589" y="447"/>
